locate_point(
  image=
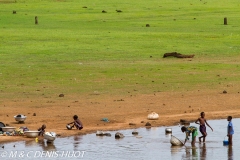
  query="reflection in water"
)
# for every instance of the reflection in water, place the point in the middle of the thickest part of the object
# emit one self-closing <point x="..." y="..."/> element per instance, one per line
<point x="77" y="140"/>
<point x="46" y="146"/>
<point x="43" y="144"/>
<point x="230" y="152"/>
<point x="187" y="153"/>
<point x="190" y="152"/>
<point x="194" y="153"/>
<point x="176" y="149"/>
<point x="203" y="151"/>
<point x="168" y="134"/>
<point x="100" y="137"/>
<point x="31" y="143"/>
<point x="148" y="128"/>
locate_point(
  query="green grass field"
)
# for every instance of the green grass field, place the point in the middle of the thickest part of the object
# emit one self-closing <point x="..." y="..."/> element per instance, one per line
<point x="76" y="50"/>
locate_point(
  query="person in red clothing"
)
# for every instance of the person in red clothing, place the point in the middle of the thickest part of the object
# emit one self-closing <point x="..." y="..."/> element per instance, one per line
<point x="77" y="123"/>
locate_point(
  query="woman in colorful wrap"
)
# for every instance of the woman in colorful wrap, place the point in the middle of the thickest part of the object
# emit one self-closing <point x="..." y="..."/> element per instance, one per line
<point x="190" y="130"/>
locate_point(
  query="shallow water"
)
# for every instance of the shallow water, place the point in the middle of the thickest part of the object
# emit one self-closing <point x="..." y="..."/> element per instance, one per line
<point x="150" y="144"/>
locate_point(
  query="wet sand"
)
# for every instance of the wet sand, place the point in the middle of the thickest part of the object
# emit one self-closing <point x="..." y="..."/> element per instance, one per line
<point x="56" y="112"/>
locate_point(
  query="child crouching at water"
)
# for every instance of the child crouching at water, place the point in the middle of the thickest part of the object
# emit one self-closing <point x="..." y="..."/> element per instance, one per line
<point x="190" y="130"/>
<point x="42" y="130"/>
<point x="77" y="123"/>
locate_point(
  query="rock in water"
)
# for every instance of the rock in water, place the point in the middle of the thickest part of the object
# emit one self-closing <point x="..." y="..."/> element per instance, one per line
<point x="108" y="134"/>
<point x="119" y="135"/>
<point x="100" y="133"/>
<point x="148" y="124"/>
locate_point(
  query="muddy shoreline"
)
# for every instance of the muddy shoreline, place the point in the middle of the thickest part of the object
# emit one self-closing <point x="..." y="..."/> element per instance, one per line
<point x="171" y="107"/>
<point x="9" y="139"/>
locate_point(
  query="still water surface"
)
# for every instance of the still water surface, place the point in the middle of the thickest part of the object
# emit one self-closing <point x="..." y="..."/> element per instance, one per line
<point x="151" y="144"/>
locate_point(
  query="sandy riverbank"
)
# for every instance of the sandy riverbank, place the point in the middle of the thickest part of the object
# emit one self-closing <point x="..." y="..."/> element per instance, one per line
<point x="171" y="107"/>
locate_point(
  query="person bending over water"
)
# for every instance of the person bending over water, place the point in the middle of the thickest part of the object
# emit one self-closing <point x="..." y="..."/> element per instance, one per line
<point x="202" y="121"/>
<point x="41" y="130"/>
<point x="190" y="130"/>
<point x="77" y="123"/>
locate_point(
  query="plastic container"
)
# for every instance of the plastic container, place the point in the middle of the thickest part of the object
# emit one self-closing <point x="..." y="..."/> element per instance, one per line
<point x="225" y="142"/>
<point x="168" y="130"/>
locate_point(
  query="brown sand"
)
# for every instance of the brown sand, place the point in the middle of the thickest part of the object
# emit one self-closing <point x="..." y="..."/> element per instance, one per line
<point x="171" y="107"/>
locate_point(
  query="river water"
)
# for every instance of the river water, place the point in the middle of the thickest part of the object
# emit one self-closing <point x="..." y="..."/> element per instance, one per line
<point x="150" y="143"/>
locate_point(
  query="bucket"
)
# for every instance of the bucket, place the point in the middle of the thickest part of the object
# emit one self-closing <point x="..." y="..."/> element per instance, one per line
<point x="168" y="130"/>
<point x="225" y="142"/>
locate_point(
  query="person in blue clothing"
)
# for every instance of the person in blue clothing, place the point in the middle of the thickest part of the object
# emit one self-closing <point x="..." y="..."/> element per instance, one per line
<point x="230" y="130"/>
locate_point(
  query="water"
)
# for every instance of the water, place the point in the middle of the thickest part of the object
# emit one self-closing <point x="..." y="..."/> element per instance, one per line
<point x="151" y="144"/>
